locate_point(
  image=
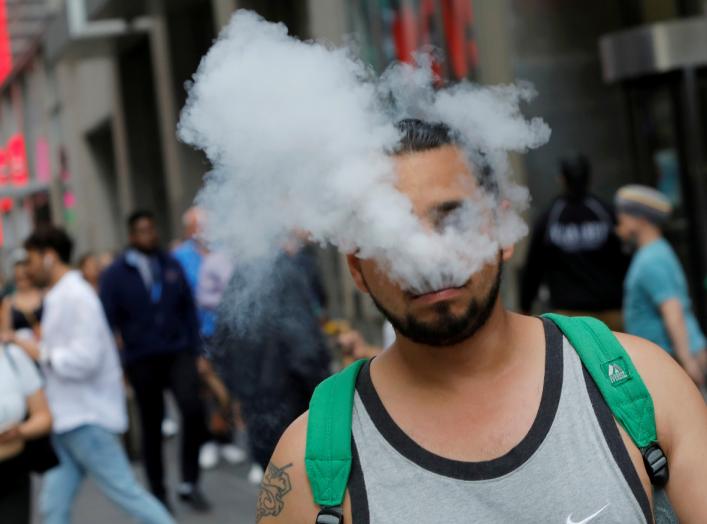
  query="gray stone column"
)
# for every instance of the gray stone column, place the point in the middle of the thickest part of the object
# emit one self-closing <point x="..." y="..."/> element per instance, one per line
<point x="166" y="114"/>
<point x="493" y="29"/>
<point x="328" y="20"/>
<point x="223" y="9"/>
<point x="126" y="195"/>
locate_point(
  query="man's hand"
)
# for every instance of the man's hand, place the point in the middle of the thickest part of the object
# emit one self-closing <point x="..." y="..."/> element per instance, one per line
<point x="203" y="365"/>
<point x="11" y="435"/>
<point x="31" y="347"/>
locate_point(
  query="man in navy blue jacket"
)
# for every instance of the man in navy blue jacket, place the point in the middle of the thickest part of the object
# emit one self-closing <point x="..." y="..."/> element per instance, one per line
<point x="149" y="304"/>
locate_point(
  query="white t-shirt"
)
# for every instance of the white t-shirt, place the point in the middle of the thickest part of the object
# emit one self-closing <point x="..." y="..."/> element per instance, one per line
<point x="19" y="379"/>
<point x="84" y="379"/>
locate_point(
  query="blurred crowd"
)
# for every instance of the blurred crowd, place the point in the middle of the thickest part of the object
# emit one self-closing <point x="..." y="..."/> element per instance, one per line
<point x="612" y="262"/>
<point x="146" y="324"/>
<point x="83" y="343"/>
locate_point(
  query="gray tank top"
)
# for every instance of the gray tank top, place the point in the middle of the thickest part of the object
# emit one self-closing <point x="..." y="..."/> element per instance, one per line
<point x="571" y="468"/>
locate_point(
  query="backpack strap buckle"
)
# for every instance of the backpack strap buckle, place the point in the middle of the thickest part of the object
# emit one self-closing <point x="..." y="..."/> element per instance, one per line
<point x="331" y="515"/>
<point x="656" y="464"/>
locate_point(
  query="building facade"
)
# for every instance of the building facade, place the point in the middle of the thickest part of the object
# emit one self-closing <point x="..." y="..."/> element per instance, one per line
<point x="95" y="91"/>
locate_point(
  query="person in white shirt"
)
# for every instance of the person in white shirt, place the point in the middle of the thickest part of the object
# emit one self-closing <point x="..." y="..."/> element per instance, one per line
<point x="84" y="388"/>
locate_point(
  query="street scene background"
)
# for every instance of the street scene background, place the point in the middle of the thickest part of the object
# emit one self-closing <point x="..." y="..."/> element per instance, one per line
<point x="90" y="97"/>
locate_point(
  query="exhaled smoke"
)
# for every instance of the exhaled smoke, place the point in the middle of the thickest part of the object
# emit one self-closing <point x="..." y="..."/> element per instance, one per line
<point x="297" y="133"/>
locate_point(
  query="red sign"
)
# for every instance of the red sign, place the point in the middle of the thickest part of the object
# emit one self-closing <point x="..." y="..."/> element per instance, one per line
<point x="399" y="29"/>
<point x="16" y="160"/>
<point x="5" y="48"/>
<point x="6" y="204"/>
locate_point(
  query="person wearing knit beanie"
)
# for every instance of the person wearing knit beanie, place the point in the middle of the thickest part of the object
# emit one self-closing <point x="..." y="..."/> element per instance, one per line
<point x="657" y="304"/>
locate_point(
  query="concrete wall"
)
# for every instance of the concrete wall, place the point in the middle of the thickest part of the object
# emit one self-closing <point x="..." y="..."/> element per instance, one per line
<point x="143" y="133"/>
<point x="555" y="48"/>
<point x="86" y="92"/>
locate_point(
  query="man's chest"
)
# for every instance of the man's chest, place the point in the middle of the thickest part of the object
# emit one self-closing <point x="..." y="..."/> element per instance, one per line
<point x="476" y="429"/>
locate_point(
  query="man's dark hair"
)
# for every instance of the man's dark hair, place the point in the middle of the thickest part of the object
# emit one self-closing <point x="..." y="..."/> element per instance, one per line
<point x="418" y="135"/>
<point x="54" y="238"/>
<point x="138" y="215"/>
<point x="577" y="172"/>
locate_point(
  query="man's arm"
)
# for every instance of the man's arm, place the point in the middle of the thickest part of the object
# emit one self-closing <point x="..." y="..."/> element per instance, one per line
<point x="6" y="315"/>
<point x="674" y="320"/>
<point x="285" y="496"/>
<point x="681" y="418"/>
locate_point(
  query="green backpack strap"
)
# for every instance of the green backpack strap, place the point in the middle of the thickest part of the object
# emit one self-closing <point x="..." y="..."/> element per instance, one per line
<point x="328" y="455"/>
<point x="622" y="387"/>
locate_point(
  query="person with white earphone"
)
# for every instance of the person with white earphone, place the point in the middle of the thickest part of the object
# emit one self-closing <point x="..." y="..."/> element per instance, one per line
<point x="84" y="387"/>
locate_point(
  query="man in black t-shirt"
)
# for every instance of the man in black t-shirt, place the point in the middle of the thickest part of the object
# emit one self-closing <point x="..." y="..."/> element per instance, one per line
<point x="575" y="252"/>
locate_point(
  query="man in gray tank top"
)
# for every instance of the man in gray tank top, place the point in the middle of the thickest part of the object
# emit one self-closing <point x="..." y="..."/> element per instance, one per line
<point x="477" y="414"/>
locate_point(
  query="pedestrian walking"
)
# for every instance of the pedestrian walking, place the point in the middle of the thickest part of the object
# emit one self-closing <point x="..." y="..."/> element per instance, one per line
<point x="84" y="388"/>
<point x="21" y="311"/>
<point x="193" y="256"/>
<point x="149" y="304"/>
<point x="657" y="303"/>
<point x="24" y="417"/>
<point x="574" y="251"/>
<point x="478" y="414"/>
<point x="279" y="358"/>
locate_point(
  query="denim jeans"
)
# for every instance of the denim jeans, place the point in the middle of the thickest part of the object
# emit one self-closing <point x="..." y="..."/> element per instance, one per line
<point x="96" y="452"/>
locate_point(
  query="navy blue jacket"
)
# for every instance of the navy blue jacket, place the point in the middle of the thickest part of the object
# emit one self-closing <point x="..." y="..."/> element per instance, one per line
<point x="149" y="328"/>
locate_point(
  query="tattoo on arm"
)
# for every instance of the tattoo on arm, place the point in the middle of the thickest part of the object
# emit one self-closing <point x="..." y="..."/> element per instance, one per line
<point x="276" y="484"/>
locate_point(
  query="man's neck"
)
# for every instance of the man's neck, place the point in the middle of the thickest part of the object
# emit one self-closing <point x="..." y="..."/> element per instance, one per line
<point x="488" y="352"/>
<point x="58" y="273"/>
<point x="648" y="236"/>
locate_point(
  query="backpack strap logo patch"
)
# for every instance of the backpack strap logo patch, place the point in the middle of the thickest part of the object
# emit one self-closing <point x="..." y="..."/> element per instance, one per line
<point x="617" y="371"/>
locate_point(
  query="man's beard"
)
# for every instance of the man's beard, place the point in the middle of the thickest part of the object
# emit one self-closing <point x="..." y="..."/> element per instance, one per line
<point x="447" y="329"/>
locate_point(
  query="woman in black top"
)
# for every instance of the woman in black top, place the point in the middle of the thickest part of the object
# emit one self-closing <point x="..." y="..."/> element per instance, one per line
<point x="22" y="310"/>
<point x="20" y="383"/>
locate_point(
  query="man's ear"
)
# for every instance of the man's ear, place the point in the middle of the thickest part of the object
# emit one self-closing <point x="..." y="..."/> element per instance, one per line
<point x="506" y="251"/>
<point x="355" y="268"/>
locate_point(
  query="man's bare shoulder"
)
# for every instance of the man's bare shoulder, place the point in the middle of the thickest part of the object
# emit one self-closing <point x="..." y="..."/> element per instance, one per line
<point x="668" y="384"/>
<point x="681" y="420"/>
<point x="285" y="495"/>
<point x="664" y="377"/>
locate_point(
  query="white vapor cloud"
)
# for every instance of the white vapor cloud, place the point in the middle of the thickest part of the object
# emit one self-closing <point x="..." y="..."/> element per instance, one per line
<point x="297" y="133"/>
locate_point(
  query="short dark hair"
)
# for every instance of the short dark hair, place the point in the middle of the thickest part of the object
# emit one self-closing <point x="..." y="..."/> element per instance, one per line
<point x="419" y="135"/>
<point x="138" y="215"/>
<point x="577" y="172"/>
<point x="51" y="237"/>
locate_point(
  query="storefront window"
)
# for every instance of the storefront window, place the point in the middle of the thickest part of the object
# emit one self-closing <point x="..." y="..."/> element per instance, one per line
<point x="391" y="30"/>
